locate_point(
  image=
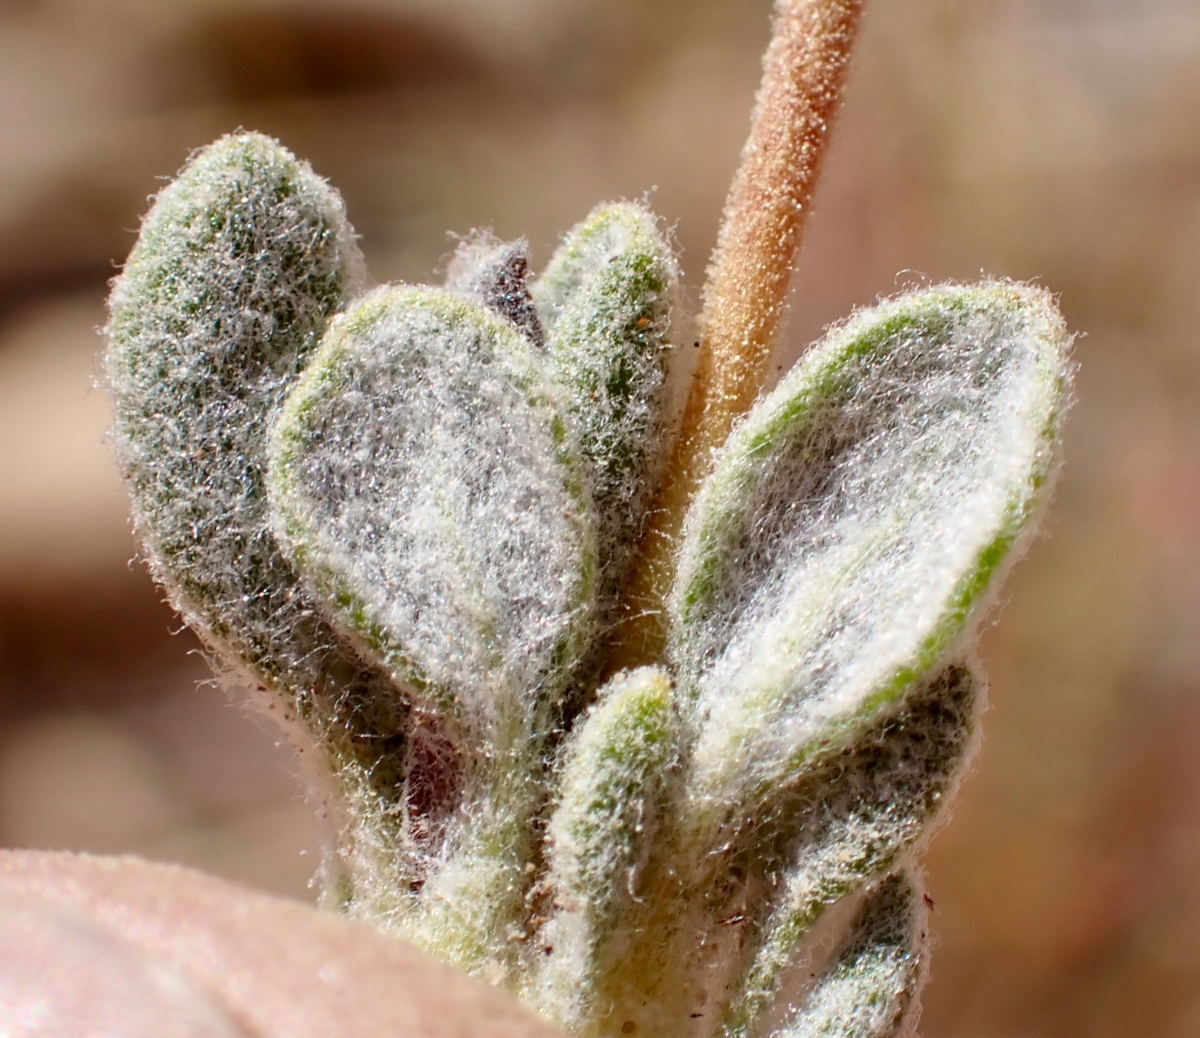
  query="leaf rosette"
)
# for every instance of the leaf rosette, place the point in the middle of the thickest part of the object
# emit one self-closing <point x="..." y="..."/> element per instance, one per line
<point x="415" y="515"/>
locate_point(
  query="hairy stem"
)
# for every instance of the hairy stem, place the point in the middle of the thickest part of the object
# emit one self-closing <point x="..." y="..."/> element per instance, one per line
<point x="745" y="297"/>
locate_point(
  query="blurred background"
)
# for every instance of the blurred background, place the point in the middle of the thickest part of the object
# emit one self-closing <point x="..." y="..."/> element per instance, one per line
<point x="1049" y="139"/>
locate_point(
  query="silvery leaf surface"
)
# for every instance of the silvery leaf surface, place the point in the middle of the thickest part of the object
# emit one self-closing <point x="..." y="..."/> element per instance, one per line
<point x="870" y="990"/>
<point x="616" y="789"/>
<point x="848" y="818"/>
<point x="425" y="486"/>
<point x="605" y="301"/>
<point x="238" y="268"/>
<point x="855" y="522"/>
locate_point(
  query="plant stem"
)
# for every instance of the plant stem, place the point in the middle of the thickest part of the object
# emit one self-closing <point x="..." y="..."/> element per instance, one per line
<point x="745" y="296"/>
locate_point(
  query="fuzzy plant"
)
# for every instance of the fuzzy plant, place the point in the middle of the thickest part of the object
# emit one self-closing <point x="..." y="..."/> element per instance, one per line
<point x="639" y="714"/>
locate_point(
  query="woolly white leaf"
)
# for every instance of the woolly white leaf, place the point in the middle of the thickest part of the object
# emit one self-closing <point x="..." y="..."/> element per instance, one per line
<point x="423" y="486"/>
<point x="224" y="298"/>
<point x="855" y="520"/>
<point x="715" y="926"/>
<point x="605" y="301"/>
<point x="239" y="265"/>
<point x="846" y="820"/>
<point x="614" y="786"/>
<point x="869" y="991"/>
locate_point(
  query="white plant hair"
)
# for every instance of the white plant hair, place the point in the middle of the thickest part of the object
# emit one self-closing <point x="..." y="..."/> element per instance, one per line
<point x="645" y="728"/>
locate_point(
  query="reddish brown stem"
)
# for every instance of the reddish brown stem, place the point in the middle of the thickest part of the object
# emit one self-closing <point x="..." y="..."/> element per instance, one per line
<point x="745" y="298"/>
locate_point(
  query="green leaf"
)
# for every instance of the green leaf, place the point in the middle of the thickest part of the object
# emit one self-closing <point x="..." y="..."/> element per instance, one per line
<point x="869" y="990"/>
<point x="851" y="817"/>
<point x="614" y="791"/>
<point x="239" y="265"/>
<point x="854" y="523"/>
<point x="605" y="301"/>
<point x="424" y="487"/>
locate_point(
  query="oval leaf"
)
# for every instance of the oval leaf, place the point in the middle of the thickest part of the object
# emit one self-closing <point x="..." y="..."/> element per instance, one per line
<point x="855" y="520"/>
<point x="239" y="265"/>
<point x="870" y="991"/>
<point x="424" y="486"/>
<point x="605" y="301"/>
<point x="848" y="819"/>
<point x="225" y="297"/>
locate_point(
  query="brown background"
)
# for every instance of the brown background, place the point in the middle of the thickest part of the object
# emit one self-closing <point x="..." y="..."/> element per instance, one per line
<point x="1048" y="139"/>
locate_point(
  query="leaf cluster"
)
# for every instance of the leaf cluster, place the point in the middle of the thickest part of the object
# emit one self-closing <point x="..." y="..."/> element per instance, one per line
<point x="411" y="516"/>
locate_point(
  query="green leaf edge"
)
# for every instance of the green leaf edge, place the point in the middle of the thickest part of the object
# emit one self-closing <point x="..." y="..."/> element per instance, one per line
<point x="818" y="375"/>
<point x="323" y="376"/>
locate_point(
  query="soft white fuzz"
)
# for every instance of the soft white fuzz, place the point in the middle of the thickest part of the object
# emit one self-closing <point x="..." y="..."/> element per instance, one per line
<point x="855" y="520"/>
<point x="413" y="520"/>
<point x="868" y="991"/>
<point x="239" y="265"/>
<point x="606" y="301"/>
<point x="423" y="485"/>
<point x="494" y="274"/>
<point x="859" y="810"/>
<point x="715" y="922"/>
<point x="615" y="783"/>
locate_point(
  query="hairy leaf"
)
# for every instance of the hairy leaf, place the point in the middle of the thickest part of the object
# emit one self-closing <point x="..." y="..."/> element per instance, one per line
<point x="613" y="796"/>
<point x="855" y="521"/>
<point x="605" y="301"/>
<point x="238" y="267"/>
<point x="871" y="988"/>
<point x="424" y="487"/>
<point x="848" y="819"/>
<point x="493" y="273"/>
